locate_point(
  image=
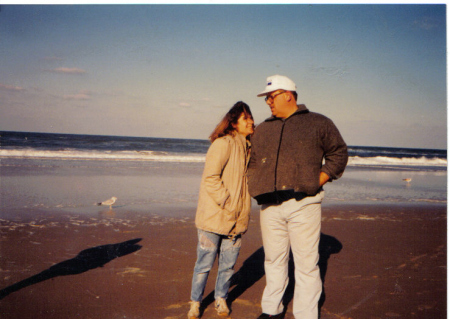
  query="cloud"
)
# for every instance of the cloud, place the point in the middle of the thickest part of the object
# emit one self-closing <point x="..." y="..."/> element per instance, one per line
<point x="330" y="70"/>
<point x="80" y="96"/>
<point x="52" y="58"/>
<point x="193" y="102"/>
<point x="11" y="88"/>
<point x="426" y="23"/>
<point x="68" y="71"/>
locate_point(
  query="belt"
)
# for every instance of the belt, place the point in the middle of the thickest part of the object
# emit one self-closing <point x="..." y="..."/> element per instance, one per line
<point x="278" y="197"/>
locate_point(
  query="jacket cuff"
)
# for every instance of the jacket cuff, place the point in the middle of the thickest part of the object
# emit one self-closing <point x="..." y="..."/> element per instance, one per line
<point x="330" y="175"/>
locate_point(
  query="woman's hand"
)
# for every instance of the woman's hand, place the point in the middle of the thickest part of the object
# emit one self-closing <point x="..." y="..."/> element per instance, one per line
<point x="323" y="179"/>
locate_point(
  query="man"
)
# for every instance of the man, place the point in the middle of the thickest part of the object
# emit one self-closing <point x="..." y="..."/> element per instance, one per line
<point x="294" y="153"/>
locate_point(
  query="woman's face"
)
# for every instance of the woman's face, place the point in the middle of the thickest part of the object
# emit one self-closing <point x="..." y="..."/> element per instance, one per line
<point x="245" y="125"/>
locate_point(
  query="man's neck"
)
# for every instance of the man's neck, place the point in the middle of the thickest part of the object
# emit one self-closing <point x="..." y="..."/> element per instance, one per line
<point x="290" y="111"/>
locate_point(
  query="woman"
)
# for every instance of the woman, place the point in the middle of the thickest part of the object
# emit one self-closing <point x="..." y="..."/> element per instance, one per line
<point x="223" y="207"/>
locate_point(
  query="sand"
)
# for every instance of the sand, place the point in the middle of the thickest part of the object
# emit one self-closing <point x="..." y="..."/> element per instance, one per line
<point x="377" y="261"/>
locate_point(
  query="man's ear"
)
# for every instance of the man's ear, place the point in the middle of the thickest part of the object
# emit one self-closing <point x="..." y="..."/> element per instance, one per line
<point x="288" y="97"/>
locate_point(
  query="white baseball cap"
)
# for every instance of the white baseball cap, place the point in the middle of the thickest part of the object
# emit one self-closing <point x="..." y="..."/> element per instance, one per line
<point x="278" y="82"/>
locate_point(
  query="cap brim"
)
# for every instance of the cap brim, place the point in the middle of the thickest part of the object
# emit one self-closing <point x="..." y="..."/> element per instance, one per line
<point x="264" y="93"/>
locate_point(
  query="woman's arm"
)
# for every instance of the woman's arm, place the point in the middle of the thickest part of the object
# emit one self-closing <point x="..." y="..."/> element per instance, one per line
<point x="216" y="159"/>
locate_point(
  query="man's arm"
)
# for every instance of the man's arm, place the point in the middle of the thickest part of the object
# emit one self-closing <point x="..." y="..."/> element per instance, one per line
<point x="335" y="153"/>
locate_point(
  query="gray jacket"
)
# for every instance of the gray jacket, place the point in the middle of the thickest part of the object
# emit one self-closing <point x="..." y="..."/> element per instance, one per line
<point x="288" y="155"/>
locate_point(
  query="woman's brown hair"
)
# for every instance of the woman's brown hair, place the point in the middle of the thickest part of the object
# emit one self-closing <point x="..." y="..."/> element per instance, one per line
<point x="225" y="126"/>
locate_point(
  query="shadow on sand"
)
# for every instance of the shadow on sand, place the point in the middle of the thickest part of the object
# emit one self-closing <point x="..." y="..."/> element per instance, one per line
<point x="252" y="271"/>
<point x="87" y="259"/>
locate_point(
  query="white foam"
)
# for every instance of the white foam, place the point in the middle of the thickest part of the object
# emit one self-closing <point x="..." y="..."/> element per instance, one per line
<point x="68" y="154"/>
<point x="392" y="161"/>
<point x="110" y="155"/>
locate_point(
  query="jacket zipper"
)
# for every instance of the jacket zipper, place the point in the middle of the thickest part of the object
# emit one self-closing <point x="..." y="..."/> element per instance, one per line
<point x="278" y="154"/>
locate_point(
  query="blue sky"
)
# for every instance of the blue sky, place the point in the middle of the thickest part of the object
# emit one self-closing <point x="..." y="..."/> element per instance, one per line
<point x="378" y="71"/>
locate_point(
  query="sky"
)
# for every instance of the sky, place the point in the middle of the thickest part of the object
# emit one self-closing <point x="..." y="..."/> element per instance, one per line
<point x="174" y="70"/>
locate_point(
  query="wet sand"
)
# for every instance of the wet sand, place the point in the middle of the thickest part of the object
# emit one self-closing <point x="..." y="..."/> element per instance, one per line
<point x="377" y="261"/>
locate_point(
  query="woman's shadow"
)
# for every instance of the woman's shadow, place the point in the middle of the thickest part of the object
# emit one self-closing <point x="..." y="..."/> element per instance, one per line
<point x="252" y="271"/>
<point x="87" y="259"/>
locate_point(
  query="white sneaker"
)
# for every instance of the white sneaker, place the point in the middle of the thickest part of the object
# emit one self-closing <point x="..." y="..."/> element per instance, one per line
<point x="194" y="312"/>
<point x="221" y="307"/>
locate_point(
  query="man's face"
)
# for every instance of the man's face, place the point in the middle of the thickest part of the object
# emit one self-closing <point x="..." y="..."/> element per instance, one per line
<point x="277" y="103"/>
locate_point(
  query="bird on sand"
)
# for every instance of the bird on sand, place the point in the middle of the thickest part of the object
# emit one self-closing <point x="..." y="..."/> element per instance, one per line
<point x="108" y="202"/>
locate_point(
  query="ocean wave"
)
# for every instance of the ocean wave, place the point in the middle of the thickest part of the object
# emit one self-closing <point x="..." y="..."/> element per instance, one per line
<point x="70" y="154"/>
<point x="393" y="161"/>
<point x="106" y="155"/>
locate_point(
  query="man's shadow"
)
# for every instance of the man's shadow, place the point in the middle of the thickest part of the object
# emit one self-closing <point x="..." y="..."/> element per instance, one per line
<point x="252" y="271"/>
<point x="87" y="259"/>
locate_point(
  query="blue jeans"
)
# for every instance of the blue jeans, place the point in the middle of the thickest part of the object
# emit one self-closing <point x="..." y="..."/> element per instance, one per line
<point x="209" y="244"/>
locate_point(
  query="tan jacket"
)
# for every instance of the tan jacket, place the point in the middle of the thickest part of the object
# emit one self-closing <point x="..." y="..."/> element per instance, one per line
<point x="224" y="202"/>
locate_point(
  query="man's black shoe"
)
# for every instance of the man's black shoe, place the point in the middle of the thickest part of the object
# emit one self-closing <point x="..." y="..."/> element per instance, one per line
<point x="265" y="315"/>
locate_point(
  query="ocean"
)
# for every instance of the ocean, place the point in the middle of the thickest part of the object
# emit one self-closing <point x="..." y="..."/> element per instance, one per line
<point x="144" y="171"/>
<point x="123" y="148"/>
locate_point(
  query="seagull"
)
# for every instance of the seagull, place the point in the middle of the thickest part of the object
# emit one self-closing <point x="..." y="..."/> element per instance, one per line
<point x="108" y="202"/>
<point x="407" y="179"/>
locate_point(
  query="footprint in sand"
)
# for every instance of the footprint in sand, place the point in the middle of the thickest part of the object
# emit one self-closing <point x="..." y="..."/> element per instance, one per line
<point x="132" y="270"/>
<point x="418" y="257"/>
<point x="176" y="306"/>
<point x="427" y="307"/>
<point x="245" y="302"/>
<point x="397" y="289"/>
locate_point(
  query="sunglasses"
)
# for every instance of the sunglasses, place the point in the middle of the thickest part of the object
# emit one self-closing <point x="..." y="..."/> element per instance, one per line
<point x="272" y="97"/>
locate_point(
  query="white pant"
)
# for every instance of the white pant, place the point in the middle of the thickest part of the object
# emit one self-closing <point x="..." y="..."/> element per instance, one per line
<point x="292" y="225"/>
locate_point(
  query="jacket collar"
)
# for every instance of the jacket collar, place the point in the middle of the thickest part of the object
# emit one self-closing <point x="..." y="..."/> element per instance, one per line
<point x="240" y="138"/>
<point x="301" y="110"/>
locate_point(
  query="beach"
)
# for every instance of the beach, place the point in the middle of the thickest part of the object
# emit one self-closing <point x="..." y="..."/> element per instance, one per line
<point x="64" y="257"/>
